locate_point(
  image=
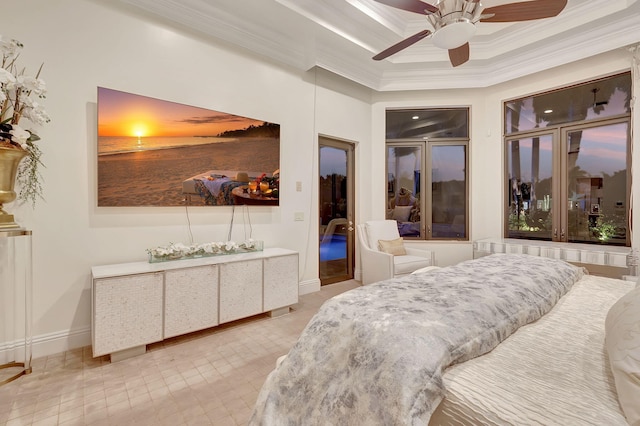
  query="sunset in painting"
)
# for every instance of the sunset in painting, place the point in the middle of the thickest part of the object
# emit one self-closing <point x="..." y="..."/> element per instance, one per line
<point x="153" y="152"/>
<point x="143" y="116"/>
<point x="125" y="115"/>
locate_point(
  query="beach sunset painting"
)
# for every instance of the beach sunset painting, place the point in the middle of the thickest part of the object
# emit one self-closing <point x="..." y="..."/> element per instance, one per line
<point x="148" y="148"/>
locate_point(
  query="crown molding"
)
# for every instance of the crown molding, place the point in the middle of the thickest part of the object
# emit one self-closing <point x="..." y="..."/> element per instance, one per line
<point x="342" y="38"/>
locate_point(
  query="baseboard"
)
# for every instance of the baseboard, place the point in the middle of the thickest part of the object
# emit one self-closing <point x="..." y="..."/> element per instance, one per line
<point x="309" y="286"/>
<point x="49" y="344"/>
<point x="53" y="343"/>
<point x="61" y="341"/>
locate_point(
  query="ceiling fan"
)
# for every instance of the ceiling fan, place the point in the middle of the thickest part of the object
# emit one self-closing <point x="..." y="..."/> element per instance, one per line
<point x="453" y="21"/>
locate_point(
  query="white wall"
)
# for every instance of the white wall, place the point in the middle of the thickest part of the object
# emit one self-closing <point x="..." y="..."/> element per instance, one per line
<point x="84" y="45"/>
<point x="486" y="153"/>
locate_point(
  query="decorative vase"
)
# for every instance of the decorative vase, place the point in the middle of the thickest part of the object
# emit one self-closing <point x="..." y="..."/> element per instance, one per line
<point x="9" y="161"/>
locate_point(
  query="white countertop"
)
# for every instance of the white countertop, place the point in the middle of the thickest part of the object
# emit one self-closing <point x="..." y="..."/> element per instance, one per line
<point x="120" y="269"/>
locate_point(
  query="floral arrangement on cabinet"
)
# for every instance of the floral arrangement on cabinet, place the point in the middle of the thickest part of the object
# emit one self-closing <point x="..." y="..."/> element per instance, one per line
<point x="176" y="251"/>
<point x="19" y="93"/>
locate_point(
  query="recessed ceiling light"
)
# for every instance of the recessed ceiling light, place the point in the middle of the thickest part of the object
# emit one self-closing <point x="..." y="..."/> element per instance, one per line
<point x="548" y="111"/>
<point x="415" y="117"/>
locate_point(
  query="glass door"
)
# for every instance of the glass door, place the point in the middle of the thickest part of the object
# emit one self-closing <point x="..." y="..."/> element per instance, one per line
<point x="336" y="232"/>
<point x="404" y="176"/>
<point x="597" y="183"/>
<point x="591" y="175"/>
<point x="530" y="187"/>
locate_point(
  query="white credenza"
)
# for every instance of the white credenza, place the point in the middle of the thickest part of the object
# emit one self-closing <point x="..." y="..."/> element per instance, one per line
<point x="134" y="304"/>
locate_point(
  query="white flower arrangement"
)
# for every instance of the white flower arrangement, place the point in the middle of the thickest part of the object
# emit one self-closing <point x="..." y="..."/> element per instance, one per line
<point x="175" y="251"/>
<point x="18" y="92"/>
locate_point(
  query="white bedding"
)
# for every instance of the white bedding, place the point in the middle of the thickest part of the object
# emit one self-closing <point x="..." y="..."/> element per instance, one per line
<point x="375" y="355"/>
<point x="551" y="372"/>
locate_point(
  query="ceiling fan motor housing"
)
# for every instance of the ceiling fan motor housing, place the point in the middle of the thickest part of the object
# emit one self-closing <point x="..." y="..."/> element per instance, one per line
<point x="454" y="22"/>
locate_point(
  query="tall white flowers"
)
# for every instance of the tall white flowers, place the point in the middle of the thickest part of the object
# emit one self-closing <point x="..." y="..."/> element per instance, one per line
<point x="18" y="92"/>
<point x="19" y="95"/>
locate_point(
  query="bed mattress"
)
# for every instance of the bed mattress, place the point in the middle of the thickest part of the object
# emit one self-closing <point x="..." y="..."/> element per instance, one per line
<point x="550" y="372"/>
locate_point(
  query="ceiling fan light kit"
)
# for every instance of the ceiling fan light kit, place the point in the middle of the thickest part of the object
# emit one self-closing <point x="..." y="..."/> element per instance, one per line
<point x="454" y="22"/>
<point x="454" y="34"/>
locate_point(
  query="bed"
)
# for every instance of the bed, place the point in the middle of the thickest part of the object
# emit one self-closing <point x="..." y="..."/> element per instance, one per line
<point x="504" y="339"/>
<point x="554" y="371"/>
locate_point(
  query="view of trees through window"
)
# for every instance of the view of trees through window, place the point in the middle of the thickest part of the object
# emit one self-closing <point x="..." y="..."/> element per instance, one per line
<point x="571" y="145"/>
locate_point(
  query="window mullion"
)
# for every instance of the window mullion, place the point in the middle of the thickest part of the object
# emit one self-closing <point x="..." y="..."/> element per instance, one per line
<point x="427" y="200"/>
<point x="560" y="191"/>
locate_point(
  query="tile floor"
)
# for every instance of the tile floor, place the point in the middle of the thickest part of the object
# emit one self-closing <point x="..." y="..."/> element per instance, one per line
<point x="210" y="377"/>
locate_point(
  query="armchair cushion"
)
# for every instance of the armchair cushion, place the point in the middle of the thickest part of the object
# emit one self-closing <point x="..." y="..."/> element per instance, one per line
<point x="394" y="247"/>
<point x="403" y="265"/>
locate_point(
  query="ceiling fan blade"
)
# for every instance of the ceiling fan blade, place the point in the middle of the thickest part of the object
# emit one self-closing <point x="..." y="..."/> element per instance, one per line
<point x="402" y="45"/>
<point x="415" y="6"/>
<point x="525" y="11"/>
<point x="459" y="55"/>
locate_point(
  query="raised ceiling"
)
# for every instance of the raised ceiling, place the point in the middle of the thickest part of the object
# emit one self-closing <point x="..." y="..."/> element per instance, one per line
<point x="343" y="35"/>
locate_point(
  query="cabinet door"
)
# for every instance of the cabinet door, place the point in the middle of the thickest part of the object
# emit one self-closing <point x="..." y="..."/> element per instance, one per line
<point x="240" y="289"/>
<point x="127" y="312"/>
<point x="191" y="299"/>
<point x="280" y="281"/>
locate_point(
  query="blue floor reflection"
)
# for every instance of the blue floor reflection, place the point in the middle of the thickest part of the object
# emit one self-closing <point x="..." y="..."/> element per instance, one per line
<point x="334" y="249"/>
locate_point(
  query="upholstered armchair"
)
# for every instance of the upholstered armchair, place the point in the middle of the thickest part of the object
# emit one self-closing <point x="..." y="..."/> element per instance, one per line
<point x="383" y="254"/>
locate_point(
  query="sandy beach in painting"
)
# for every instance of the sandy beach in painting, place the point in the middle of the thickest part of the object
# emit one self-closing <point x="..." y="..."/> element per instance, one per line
<point x="154" y="177"/>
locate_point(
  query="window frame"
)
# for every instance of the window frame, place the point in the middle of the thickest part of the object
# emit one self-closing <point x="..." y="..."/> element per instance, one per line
<point x="426" y="201"/>
<point x="559" y="133"/>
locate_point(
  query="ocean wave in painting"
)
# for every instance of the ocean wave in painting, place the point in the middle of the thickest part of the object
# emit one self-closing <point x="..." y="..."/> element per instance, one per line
<point x="109" y="145"/>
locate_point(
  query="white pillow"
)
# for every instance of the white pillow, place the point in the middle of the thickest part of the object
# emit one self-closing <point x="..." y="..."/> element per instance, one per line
<point x="622" y="334"/>
<point x="401" y="213"/>
<point x="394" y="247"/>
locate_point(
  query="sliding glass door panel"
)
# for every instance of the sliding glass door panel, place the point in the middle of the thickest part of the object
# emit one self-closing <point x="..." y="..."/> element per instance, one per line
<point x="597" y="175"/>
<point x="530" y="187"/>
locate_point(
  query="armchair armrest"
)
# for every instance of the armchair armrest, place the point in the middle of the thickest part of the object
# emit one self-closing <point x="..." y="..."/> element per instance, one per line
<point x="376" y="265"/>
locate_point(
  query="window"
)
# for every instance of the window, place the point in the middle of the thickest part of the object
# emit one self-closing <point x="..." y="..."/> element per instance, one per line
<point x="428" y="148"/>
<point x="574" y="145"/>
